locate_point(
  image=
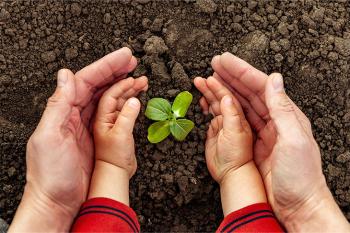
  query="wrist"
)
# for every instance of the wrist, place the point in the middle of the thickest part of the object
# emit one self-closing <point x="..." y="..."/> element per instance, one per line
<point x="38" y="213"/>
<point x="110" y="181"/>
<point x="241" y="187"/>
<point x="320" y="213"/>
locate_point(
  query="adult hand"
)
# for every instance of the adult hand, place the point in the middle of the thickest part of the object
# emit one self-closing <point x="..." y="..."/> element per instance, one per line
<point x="60" y="151"/>
<point x="285" y="150"/>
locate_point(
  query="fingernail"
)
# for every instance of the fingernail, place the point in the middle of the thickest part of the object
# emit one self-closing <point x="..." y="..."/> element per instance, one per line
<point x="133" y="102"/>
<point x="277" y="82"/>
<point x="228" y="101"/>
<point x="62" y="77"/>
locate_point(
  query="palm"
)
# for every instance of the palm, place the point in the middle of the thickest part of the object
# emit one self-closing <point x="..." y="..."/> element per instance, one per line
<point x="79" y="142"/>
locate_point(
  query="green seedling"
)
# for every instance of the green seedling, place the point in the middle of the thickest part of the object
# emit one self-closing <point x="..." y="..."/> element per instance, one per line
<point x="170" y="118"/>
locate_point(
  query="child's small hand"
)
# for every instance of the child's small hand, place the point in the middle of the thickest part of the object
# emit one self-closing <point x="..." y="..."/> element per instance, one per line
<point x="114" y="122"/>
<point x="229" y="149"/>
<point x="229" y="138"/>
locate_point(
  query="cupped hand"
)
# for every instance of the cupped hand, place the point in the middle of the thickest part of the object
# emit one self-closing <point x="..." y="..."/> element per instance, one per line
<point x="60" y="151"/>
<point x="285" y="150"/>
<point x="114" y="124"/>
<point x="229" y="148"/>
<point x="229" y="137"/>
<point x="115" y="160"/>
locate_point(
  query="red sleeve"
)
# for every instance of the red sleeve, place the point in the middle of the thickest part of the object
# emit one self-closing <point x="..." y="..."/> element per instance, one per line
<point x="254" y="218"/>
<point x="105" y="215"/>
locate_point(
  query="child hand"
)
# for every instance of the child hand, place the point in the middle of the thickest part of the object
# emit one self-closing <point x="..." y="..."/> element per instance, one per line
<point x="113" y="127"/>
<point x="229" y="137"/>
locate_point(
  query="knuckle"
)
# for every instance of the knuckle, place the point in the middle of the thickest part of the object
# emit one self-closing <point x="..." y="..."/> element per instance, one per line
<point x="53" y="100"/>
<point x="285" y="105"/>
<point x="282" y="104"/>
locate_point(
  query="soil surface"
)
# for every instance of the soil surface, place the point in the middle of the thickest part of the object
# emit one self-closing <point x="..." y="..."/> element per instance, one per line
<point x="308" y="41"/>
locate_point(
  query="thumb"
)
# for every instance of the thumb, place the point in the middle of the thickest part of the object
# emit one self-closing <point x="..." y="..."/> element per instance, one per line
<point x="280" y="107"/>
<point x="126" y="119"/>
<point x="232" y="122"/>
<point x="59" y="105"/>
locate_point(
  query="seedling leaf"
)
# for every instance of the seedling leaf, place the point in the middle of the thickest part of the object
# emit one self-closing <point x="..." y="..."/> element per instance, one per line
<point x="158" y="131"/>
<point x="181" y="104"/>
<point x="180" y="128"/>
<point x="158" y="109"/>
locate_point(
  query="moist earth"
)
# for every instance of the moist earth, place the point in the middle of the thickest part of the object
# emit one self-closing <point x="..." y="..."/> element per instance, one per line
<point x="307" y="41"/>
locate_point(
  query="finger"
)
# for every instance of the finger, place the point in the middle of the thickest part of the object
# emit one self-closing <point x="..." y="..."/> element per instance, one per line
<point x="218" y="77"/>
<point x="281" y="108"/>
<point x="256" y="122"/>
<point x="204" y="105"/>
<point x="101" y="72"/>
<point x="217" y="88"/>
<point x="111" y="99"/>
<point x="214" y="103"/>
<point x="304" y="121"/>
<point x="216" y="125"/>
<point x="88" y="112"/>
<point x="249" y="76"/>
<point x="256" y="100"/>
<point x="127" y="116"/>
<point x="202" y="86"/>
<point x="232" y="122"/>
<point x="60" y="104"/>
<point x="140" y="84"/>
<point x="220" y="91"/>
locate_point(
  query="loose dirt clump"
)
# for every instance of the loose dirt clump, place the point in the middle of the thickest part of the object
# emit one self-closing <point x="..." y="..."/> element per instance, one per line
<point x="174" y="41"/>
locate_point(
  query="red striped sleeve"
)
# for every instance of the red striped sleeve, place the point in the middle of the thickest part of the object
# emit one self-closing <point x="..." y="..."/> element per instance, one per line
<point x="105" y="215"/>
<point x="254" y="218"/>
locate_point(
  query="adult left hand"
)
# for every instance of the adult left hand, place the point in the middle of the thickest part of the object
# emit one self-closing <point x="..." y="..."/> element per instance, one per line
<point x="60" y="151"/>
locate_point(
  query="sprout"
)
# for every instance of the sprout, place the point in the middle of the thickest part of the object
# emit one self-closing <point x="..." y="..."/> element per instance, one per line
<point x="170" y="118"/>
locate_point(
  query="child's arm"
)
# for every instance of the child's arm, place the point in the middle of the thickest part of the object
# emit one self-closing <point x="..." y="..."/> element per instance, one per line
<point x="230" y="161"/>
<point x="107" y="208"/>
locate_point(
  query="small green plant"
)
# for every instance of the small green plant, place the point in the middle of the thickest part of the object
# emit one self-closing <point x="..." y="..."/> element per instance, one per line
<point x="169" y="118"/>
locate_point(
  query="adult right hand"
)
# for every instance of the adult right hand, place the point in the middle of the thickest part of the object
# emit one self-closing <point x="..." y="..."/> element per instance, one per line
<point x="285" y="150"/>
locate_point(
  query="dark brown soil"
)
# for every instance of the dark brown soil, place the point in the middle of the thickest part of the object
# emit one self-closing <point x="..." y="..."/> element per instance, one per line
<point x="308" y="41"/>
